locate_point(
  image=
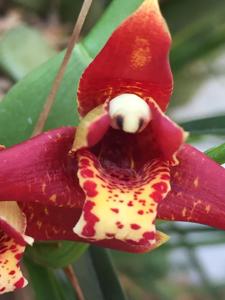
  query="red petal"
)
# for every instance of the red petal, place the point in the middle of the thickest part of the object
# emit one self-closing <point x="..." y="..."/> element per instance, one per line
<point x="134" y="60"/>
<point x="40" y="170"/>
<point x="197" y="191"/>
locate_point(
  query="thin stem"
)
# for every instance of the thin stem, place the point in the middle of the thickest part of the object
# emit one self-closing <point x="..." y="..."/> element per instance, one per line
<point x="69" y="271"/>
<point x="58" y="79"/>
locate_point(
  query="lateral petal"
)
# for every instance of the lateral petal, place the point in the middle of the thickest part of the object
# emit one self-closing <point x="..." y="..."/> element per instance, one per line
<point x="197" y="190"/>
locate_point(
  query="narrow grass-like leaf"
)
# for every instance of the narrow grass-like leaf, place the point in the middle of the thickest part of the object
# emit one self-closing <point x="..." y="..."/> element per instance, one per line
<point x="56" y="255"/>
<point x="97" y="276"/>
<point x="217" y="153"/>
<point x="45" y="283"/>
<point x="210" y="125"/>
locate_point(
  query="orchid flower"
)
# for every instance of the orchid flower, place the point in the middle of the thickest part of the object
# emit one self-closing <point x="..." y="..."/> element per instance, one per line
<point x="124" y="166"/>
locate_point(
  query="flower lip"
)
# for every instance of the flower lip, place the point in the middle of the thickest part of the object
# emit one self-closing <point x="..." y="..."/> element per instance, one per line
<point x="132" y="116"/>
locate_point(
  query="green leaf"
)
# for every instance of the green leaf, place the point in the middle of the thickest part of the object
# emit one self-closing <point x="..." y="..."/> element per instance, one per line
<point x="210" y="125"/>
<point x="37" y="5"/>
<point x="21" y="107"/>
<point x="56" y="255"/>
<point x="22" y="49"/>
<point x="45" y="283"/>
<point x="107" y="277"/>
<point x="97" y="276"/>
<point x="217" y="153"/>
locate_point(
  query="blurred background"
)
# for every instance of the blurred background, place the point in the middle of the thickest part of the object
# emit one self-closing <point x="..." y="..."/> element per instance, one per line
<point x="192" y="265"/>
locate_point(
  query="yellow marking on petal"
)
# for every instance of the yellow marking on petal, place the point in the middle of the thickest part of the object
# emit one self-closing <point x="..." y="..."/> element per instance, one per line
<point x="39" y="224"/>
<point x="43" y="187"/>
<point x="141" y="54"/>
<point x="196" y="182"/>
<point x="31" y="216"/>
<point x="53" y="198"/>
<point x="207" y="209"/>
<point x="184" y="211"/>
<point x="118" y="206"/>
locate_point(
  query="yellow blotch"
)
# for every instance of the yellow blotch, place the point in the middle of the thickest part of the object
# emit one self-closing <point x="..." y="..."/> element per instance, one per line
<point x="31" y="216"/>
<point x="39" y="224"/>
<point x="43" y="187"/>
<point x="184" y="212"/>
<point x="141" y="54"/>
<point x="53" y="198"/>
<point x="55" y="230"/>
<point x="207" y="208"/>
<point x="46" y="211"/>
<point x="196" y="182"/>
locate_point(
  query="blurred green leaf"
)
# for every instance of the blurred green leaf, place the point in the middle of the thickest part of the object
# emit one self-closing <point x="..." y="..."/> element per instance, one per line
<point x="56" y="255"/>
<point x="37" y="5"/>
<point x="45" y="283"/>
<point x="21" y="107"/>
<point x="217" y="153"/>
<point x="210" y="125"/>
<point x="97" y="276"/>
<point x="22" y="49"/>
<point x="197" y="28"/>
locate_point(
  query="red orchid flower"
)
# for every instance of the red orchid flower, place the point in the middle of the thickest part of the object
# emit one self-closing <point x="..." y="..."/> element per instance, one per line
<point x="126" y="166"/>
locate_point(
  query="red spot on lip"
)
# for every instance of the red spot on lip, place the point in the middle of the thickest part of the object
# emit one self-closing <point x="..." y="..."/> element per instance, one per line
<point x="110" y="235"/>
<point x="2" y="289"/>
<point x="87" y="173"/>
<point x="130" y="203"/>
<point x="119" y="225"/>
<point x="115" y="210"/>
<point x="160" y="186"/>
<point x="90" y="188"/>
<point x="149" y="235"/>
<point x="19" y="283"/>
<point x="165" y="177"/>
<point x="140" y="212"/>
<point x="135" y="226"/>
<point x="143" y="202"/>
<point x="18" y="256"/>
<point x="156" y="196"/>
<point x="84" y="162"/>
<point x="12" y="272"/>
<point x="91" y="219"/>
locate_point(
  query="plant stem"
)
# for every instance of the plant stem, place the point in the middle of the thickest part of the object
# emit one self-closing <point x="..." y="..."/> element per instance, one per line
<point x="69" y="271"/>
<point x="58" y="79"/>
